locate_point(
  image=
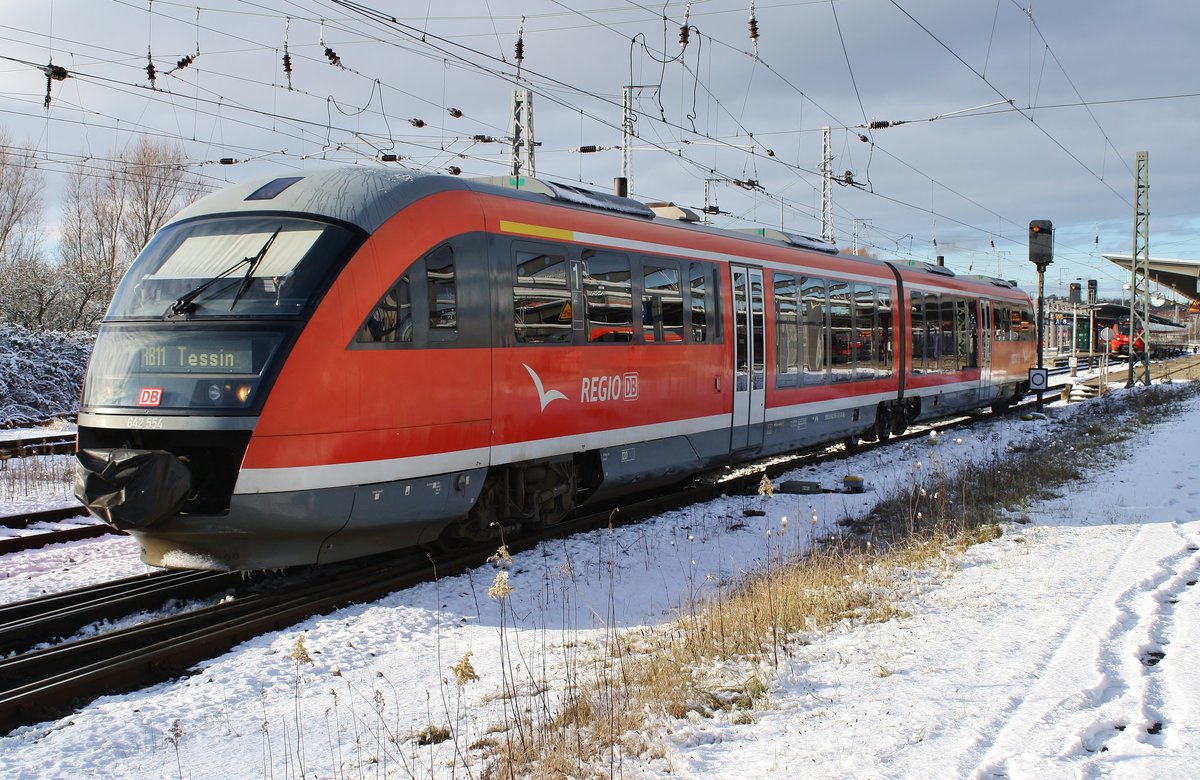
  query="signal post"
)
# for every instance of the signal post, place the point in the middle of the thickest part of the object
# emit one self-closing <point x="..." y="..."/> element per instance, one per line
<point x="1041" y="254"/>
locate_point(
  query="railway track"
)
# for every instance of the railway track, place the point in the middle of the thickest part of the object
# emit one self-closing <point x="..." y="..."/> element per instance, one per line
<point x="42" y="537"/>
<point x="38" y="444"/>
<point x="49" y="682"/>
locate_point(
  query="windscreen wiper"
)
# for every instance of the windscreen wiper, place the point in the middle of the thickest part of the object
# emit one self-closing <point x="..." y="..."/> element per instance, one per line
<point x="254" y="261"/>
<point x="186" y="302"/>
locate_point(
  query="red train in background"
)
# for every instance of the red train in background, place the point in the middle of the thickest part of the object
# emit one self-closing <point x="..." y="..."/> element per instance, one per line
<point x="1167" y="338"/>
<point x="322" y="366"/>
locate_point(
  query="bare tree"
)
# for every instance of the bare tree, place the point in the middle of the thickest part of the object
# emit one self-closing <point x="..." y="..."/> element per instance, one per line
<point x="30" y="290"/>
<point x="110" y="211"/>
<point x="157" y="186"/>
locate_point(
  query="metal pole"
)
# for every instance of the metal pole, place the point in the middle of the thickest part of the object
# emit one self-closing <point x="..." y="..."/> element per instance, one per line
<point x="627" y="135"/>
<point x="826" y="185"/>
<point x="1041" y="317"/>
<point x="1074" y="338"/>
<point x="1091" y="334"/>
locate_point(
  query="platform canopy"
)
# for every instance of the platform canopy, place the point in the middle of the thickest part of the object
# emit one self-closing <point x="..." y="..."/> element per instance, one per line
<point x="1182" y="276"/>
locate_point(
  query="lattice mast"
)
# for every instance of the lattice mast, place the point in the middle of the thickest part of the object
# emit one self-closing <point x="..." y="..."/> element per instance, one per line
<point x="826" y="185"/>
<point x="520" y="124"/>
<point x="520" y="131"/>
<point x="1139" y="282"/>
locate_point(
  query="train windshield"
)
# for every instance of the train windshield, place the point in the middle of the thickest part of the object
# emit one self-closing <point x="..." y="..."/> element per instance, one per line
<point x="258" y="266"/>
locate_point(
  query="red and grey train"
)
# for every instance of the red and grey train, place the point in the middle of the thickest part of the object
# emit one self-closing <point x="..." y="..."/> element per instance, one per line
<point x="322" y="366"/>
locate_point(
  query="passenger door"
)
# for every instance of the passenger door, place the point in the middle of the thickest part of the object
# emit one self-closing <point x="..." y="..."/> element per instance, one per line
<point x="749" y="358"/>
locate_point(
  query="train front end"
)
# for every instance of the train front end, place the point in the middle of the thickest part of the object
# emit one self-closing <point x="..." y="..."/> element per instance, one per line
<point x="183" y="364"/>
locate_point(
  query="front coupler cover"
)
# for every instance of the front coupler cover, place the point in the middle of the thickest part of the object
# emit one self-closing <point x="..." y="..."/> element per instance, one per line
<point x="131" y="488"/>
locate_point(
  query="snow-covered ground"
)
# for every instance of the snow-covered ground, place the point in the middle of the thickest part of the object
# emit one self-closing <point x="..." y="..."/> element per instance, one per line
<point x="1068" y="647"/>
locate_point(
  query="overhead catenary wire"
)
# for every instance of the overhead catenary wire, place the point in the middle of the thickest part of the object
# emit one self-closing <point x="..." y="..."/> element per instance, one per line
<point x="375" y="114"/>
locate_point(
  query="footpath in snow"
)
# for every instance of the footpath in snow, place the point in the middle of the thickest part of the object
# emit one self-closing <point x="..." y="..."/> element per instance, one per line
<point x="1068" y="648"/>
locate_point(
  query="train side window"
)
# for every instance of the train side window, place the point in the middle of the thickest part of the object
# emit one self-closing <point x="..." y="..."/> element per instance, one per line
<point x="1025" y="327"/>
<point x="883" y="296"/>
<point x="866" y="332"/>
<point x="934" y="345"/>
<point x="662" y="302"/>
<point x="949" y="362"/>
<point x="541" y="298"/>
<point x="441" y="293"/>
<point x="787" y="330"/>
<point x="965" y="326"/>
<point x="703" y="297"/>
<point x="391" y="321"/>
<point x="815" y="307"/>
<point x="758" y="333"/>
<point x="919" y="338"/>
<point x="841" y="326"/>
<point x="607" y="297"/>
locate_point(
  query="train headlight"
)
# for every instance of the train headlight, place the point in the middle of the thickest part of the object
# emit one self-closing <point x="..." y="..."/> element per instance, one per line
<point x="214" y="393"/>
<point x="243" y="393"/>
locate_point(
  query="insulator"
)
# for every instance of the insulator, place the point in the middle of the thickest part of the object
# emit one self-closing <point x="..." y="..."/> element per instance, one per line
<point x="770" y="153"/>
<point x="483" y="139"/>
<point x="457" y="114"/>
<point x="588" y="149"/>
<point x="151" y="73"/>
<point x="332" y="56"/>
<point x="683" y="36"/>
<point x="417" y="123"/>
<point x="881" y="124"/>
<point x="389" y="158"/>
<point x="520" y="50"/>
<point x="56" y="72"/>
<point x="227" y="161"/>
<point x="863" y="138"/>
<point x="454" y="170"/>
<point x="753" y="29"/>
<point x="287" y="63"/>
<point x="183" y="63"/>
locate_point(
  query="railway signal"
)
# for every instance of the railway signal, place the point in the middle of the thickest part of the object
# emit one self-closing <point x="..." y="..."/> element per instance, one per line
<point x="1041" y="254"/>
<point x="1041" y="243"/>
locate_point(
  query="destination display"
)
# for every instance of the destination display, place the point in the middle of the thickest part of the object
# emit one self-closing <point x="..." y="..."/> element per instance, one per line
<point x="193" y="358"/>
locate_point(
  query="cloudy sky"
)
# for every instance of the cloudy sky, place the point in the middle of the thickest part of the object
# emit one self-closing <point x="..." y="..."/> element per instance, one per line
<point x="1012" y="110"/>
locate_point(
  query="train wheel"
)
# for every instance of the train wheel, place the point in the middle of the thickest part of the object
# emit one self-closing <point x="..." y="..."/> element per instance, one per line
<point x="883" y="423"/>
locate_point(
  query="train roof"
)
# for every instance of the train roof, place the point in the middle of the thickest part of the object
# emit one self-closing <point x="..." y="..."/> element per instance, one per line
<point x="368" y="196"/>
<point x="362" y="196"/>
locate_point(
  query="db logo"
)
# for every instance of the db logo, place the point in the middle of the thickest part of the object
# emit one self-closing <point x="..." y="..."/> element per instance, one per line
<point x="629" y="387"/>
<point x="149" y="396"/>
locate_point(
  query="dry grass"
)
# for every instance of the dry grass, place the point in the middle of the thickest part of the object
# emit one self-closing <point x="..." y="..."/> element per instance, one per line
<point x="718" y="657"/>
<point x="36" y="475"/>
